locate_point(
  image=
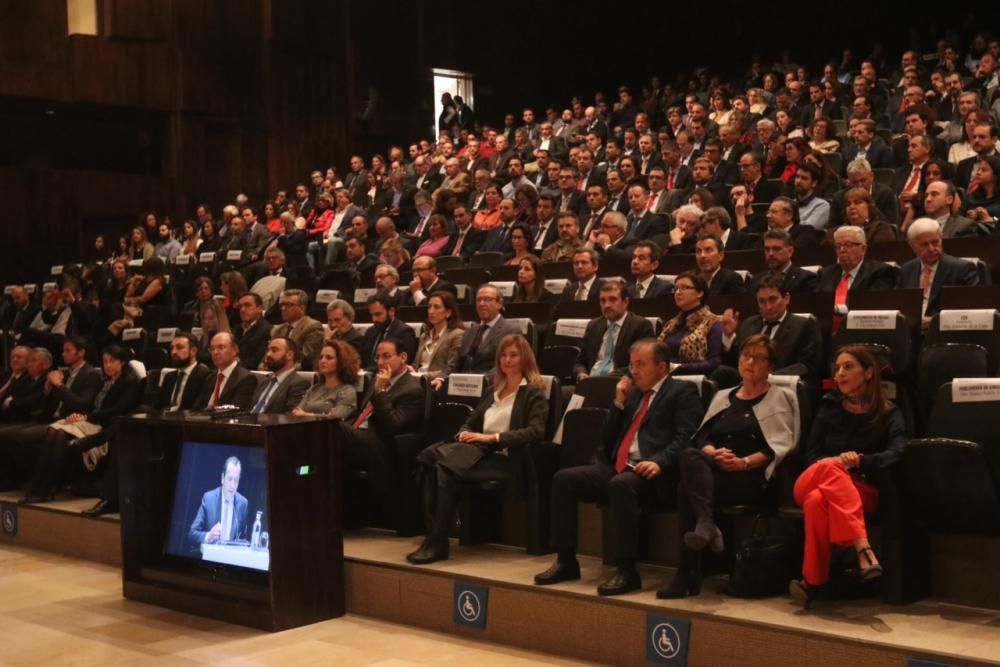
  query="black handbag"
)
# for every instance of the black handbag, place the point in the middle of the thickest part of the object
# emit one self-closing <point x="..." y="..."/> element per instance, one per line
<point x="760" y="567"/>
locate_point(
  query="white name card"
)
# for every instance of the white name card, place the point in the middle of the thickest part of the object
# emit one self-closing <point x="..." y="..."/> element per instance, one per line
<point x="165" y="335"/>
<point x="182" y="260"/>
<point x="521" y="322"/>
<point x="327" y="295"/>
<point x="571" y="328"/>
<point x="575" y="403"/>
<point x="9" y="289"/>
<point x="56" y="270"/>
<point x="198" y="333"/>
<point x="48" y="287"/>
<point x="697" y="380"/>
<point x="206" y="257"/>
<point x="812" y="268"/>
<point x="417" y="327"/>
<point x="219" y="297"/>
<point x="556" y="285"/>
<point x="234" y="255"/>
<point x="889" y="389"/>
<point x="132" y="334"/>
<point x="363" y="327"/>
<point x="462" y="290"/>
<point x="466" y="384"/>
<point x="31" y="289"/>
<point x="872" y="319"/>
<point x="362" y="293"/>
<point x="506" y="288"/>
<point x="967" y="320"/>
<point x="790" y="381"/>
<point x="975" y="390"/>
<point x="135" y="263"/>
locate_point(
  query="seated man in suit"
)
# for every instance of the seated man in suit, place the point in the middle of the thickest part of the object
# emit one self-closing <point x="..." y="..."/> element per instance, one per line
<point x="796" y="339"/>
<point x="864" y="145"/>
<point x="782" y="215"/>
<point x="304" y="330"/>
<point x="939" y="199"/>
<point x="852" y="272"/>
<point x="608" y="338"/>
<point x="382" y="309"/>
<point x="687" y="226"/>
<point x="860" y="175"/>
<point x="340" y="323"/>
<point x="230" y="384"/>
<point x="906" y="180"/>
<point x="222" y="514"/>
<point x="479" y="345"/>
<point x="467" y="240"/>
<point x="758" y="189"/>
<point x="254" y="330"/>
<point x="709" y="255"/>
<point x="609" y="239"/>
<point x="359" y="261"/>
<point x="395" y="407"/>
<point x="932" y="269"/>
<point x="778" y="251"/>
<point x="652" y="418"/>
<point x="586" y="286"/>
<point x="178" y="387"/>
<point x="716" y="221"/>
<point x="569" y="241"/>
<point x="425" y="282"/>
<point x="23" y="312"/>
<point x="645" y="261"/>
<point x="643" y="224"/>
<point x="284" y="388"/>
<point x="22" y="399"/>
<point x="273" y="277"/>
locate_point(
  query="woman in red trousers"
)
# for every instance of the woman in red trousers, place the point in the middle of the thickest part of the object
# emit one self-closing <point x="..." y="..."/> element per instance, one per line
<point x="856" y="434"/>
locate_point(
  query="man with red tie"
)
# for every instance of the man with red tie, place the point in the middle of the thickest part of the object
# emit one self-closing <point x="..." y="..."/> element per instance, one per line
<point x="852" y="272"/>
<point x="652" y="417"/>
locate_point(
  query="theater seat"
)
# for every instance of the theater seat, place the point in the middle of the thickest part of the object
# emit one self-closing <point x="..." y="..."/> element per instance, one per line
<point x="485" y="260"/>
<point x="943" y="362"/>
<point x="885" y="332"/>
<point x="597" y="392"/>
<point x="446" y="418"/>
<point x="972" y="326"/>
<point x="558" y="360"/>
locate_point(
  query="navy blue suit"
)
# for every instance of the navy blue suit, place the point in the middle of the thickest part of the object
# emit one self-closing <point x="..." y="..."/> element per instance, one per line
<point x="210" y="513"/>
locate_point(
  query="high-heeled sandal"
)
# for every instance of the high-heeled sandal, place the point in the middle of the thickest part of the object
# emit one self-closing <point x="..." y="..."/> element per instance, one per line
<point x="871" y="572"/>
<point x="802" y="592"/>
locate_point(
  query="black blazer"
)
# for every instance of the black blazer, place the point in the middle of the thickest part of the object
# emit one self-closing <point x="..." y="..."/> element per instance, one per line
<point x="528" y="417"/>
<point x="593" y="296"/>
<point x="879" y="155"/>
<point x="121" y="399"/>
<point x="873" y="275"/>
<point x="633" y="328"/>
<point x="474" y="239"/>
<point x="238" y="390"/>
<point x="80" y="398"/>
<point x="797" y="342"/>
<point x="766" y="191"/>
<point x="352" y="337"/>
<point x="286" y="395"/>
<point x="673" y="417"/>
<point x="951" y="272"/>
<point x="806" y="236"/>
<point x="158" y="394"/>
<point x="648" y="226"/>
<point x="901" y="176"/>
<point x="253" y="343"/>
<point x="398" y="330"/>
<point x="27" y="396"/>
<point x="657" y="287"/>
<point x="796" y="279"/>
<point x="441" y="285"/>
<point x="399" y="409"/>
<point x="577" y="204"/>
<point x="484" y="359"/>
<point x="740" y="241"/>
<point x="726" y="281"/>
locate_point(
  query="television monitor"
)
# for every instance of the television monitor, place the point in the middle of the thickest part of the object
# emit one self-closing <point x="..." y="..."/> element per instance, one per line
<point x="220" y="495"/>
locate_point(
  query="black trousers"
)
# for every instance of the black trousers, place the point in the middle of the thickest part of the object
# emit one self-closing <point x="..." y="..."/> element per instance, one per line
<point x="626" y="494"/>
<point x="365" y="450"/>
<point x="442" y="490"/>
<point x="52" y="453"/>
<point x="703" y="485"/>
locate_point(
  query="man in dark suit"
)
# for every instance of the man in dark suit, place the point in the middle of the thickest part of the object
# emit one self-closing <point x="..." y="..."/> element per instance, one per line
<point x="652" y="419"/>
<point x="586" y="286"/>
<point x="759" y="189"/>
<point x="382" y="309"/>
<point x="340" y="324"/>
<point x="939" y="198"/>
<point x="860" y="175"/>
<point x="716" y="221"/>
<point x="932" y="269"/>
<point x="917" y="124"/>
<point x="395" y="407"/>
<point x="782" y="216"/>
<point x="608" y="338"/>
<point x="778" y="251"/>
<point x="425" y="179"/>
<point x="867" y="146"/>
<point x="359" y="261"/>
<point x="818" y="107"/>
<point x="709" y="254"/>
<point x="479" y="345"/>
<point x="22" y="396"/>
<point x="425" y="282"/>
<point x="570" y="199"/>
<point x="797" y="339"/>
<point x="178" y="387"/>
<point x="853" y="272"/>
<point x="467" y="240"/>
<point x="547" y="231"/>
<point x="222" y="514"/>
<point x="548" y="141"/>
<point x="643" y="224"/>
<point x="498" y="238"/>
<point x="254" y="330"/>
<point x="283" y="389"/>
<point x="24" y="311"/>
<point x="983" y="142"/>
<point x="906" y="180"/>
<point x="645" y="261"/>
<point x="230" y="383"/>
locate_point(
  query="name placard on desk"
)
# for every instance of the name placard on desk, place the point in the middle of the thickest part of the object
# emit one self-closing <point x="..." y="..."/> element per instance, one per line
<point x="884" y="320"/>
<point x="967" y="320"/>
<point x="465" y="384"/>
<point x="571" y="328"/>
<point x="975" y="390"/>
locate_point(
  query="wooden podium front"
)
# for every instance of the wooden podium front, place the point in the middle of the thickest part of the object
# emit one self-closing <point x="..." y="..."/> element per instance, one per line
<point x="305" y="582"/>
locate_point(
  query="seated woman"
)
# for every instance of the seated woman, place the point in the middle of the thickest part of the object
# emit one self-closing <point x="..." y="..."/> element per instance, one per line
<point x="530" y="287"/>
<point x="520" y="240"/>
<point x="120" y="394"/>
<point x="823" y="136"/>
<point x="113" y="291"/>
<point x="694" y="334"/>
<point x="856" y="434"/>
<point x="140" y="248"/>
<point x="513" y="415"/>
<point x="232" y="284"/>
<point x="150" y="287"/>
<point x="489" y="217"/>
<point x="437" y="239"/>
<point x="210" y="240"/>
<point x="983" y="200"/>
<point x="745" y="434"/>
<point x="860" y="210"/>
<point x="442" y="336"/>
<point x="334" y="394"/>
<point x="190" y="242"/>
<point x="204" y="292"/>
<point x="396" y="255"/>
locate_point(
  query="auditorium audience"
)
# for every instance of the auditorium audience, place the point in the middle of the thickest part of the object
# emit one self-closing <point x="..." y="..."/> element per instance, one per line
<point x="529" y="286"/>
<point x="441" y="340"/>
<point x="932" y="269"/>
<point x="746" y="432"/>
<point x="306" y="332"/>
<point x="608" y="338"/>
<point x="385" y="326"/>
<point x="230" y="383"/>
<point x="340" y="325"/>
<point x="333" y="394"/>
<point x="854" y="437"/>
<point x="478" y="351"/>
<point x="694" y="335"/>
<point x="512" y="416"/>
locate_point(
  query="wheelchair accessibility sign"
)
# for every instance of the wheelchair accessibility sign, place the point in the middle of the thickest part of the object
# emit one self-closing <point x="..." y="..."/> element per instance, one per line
<point x="8" y="518"/>
<point x="667" y="640"/>
<point x="470" y="603"/>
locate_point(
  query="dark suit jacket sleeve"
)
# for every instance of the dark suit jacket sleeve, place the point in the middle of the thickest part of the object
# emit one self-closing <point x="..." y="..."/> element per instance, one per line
<point x="884" y="278"/>
<point x="201" y="524"/>
<point x="400" y="411"/>
<point x="685" y="412"/>
<point x="242" y="394"/>
<point x="81" y="397"/>
<point x="296" y="390"/>
<point x="119" y="401"/>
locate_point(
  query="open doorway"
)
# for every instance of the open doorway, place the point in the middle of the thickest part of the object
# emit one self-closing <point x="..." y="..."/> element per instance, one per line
<point x="454" y="82"/>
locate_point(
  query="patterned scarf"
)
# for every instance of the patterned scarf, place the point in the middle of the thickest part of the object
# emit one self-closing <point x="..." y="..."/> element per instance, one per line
<point x="694" y="345"/>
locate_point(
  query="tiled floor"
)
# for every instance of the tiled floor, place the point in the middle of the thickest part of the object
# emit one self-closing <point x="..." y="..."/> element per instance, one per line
<point x="59" y="611"/>
<point x="926" y="626"/>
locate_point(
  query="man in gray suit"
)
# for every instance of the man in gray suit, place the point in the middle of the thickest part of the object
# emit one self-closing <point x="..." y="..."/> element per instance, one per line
<point x="284" y="389"/>
<point x="938" y="200"/>
<point x="222" y="515"/>
<point x="479" y="347"/>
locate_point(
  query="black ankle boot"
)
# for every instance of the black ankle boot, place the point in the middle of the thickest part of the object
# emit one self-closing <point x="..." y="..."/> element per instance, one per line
<point x="684" y="584"/>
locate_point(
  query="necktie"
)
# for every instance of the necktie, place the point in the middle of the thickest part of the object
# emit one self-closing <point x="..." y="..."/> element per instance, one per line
<point x="175" y="397"/>
<point x="540" y="236"/>
<point x="769" y="326"/>
<point x="912" y="182"/>
<point x="973" y="183"/>
<point x="925" y="278"/>
<point x="227" y="521"/>
<point x="420" y="226"/>
<point x="840" y="299"/>
<point x="670" y="180"/>
<point x="652" y="201"/>
<point x="581" y="293"/>
<point x="457" y="250"/>
<point x="608" y="361"/>
<point x="626" y="444"/>
<point x="262" y="401"/>
<point x="819" y="111"/>
<point x="219" y="379"/>
<point x="640" y="290"/>
<point x="365" y="414"/>
<point x="478" y="340"/>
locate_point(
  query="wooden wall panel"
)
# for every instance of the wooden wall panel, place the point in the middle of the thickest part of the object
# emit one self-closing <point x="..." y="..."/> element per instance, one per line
<point x="33" y="48"/>
<point x="147" y="20"/>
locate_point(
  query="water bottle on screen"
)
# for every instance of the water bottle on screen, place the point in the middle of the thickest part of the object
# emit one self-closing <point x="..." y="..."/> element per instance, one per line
<point x="255" y="538"/>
